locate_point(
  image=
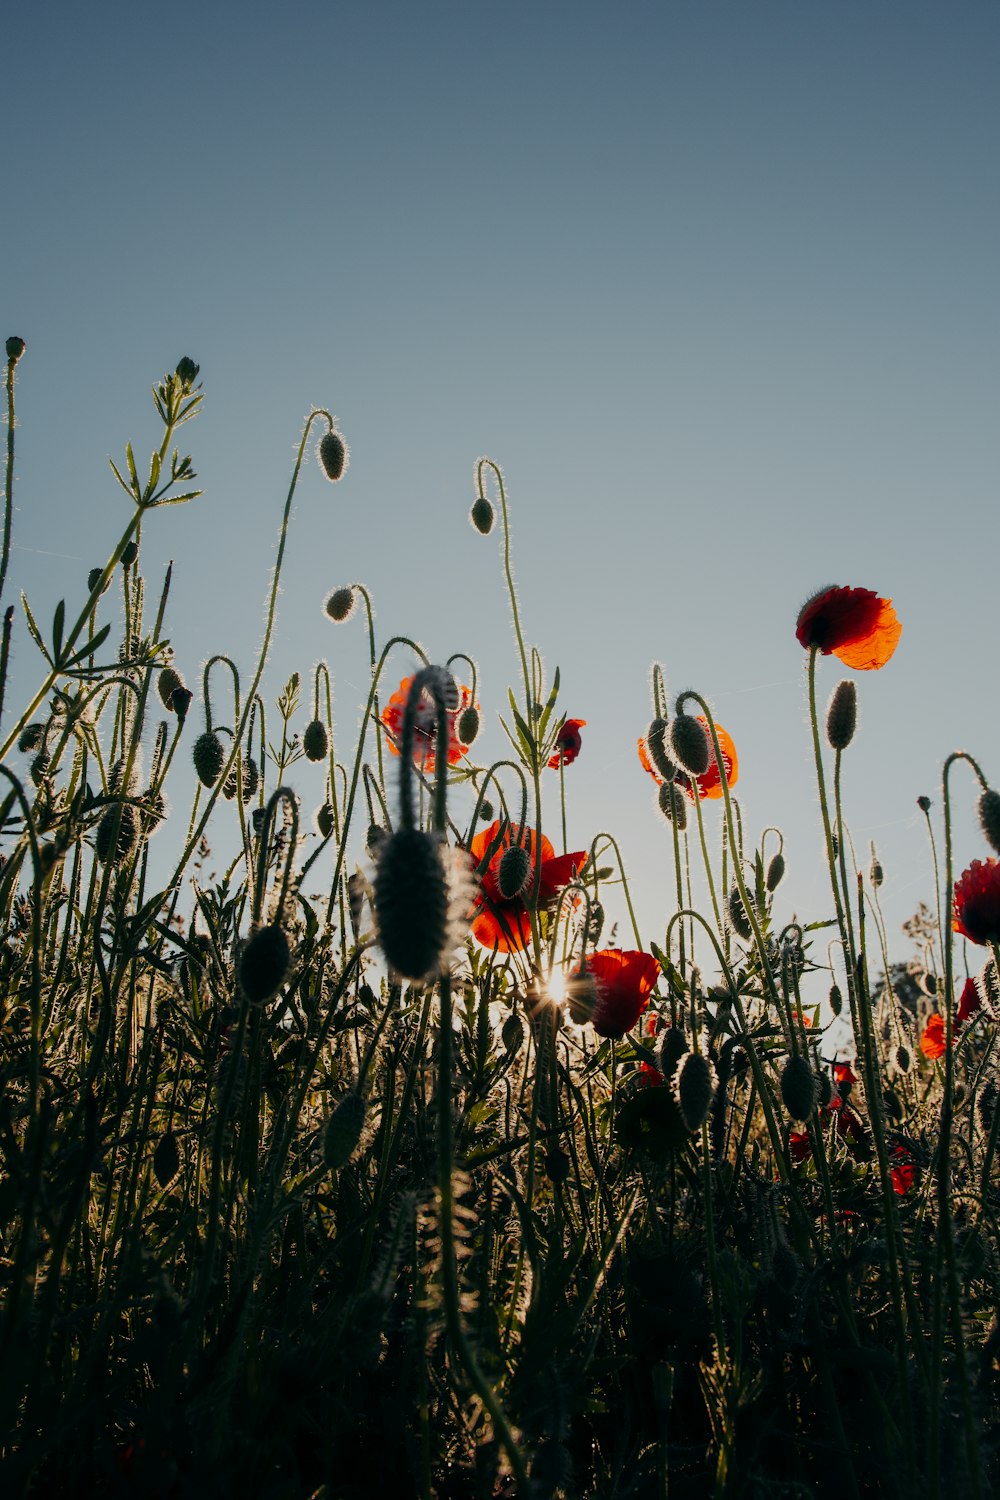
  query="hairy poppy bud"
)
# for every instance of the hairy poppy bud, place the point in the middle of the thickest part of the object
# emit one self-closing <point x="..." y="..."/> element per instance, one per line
<point x="251" y="779"/>
<point x="209" y="757"/>
<point x="343" y="1131"/>
<point x="515" y="867"/>
<point x="187" y="372"/>
<point x="117" y="835"/>
<point x="690" y="744"/>
<point x="264" y="964"/>
<point x="775" y="873"/>
<point x="672" y="804"/>
<point x="130" y="552"/>
<point x="340" y="605"/>
<point x="989" y="818"/>
<point x="154" y="812"/>
<point x="693" y="1086"/>
<point x="842" y="715"/>
<point x="672" y="1048"/>
<point x="32" y="737"/>
<point x="93" y="579"/>
<point x="167" y="683"/>
<point x="258" y="818"/>
<point x="324" y="820"/>
<point x="411" y="903"/>
<point x="468" y="728"/>
<point x="739" y="921"/>
<point x="15" y="348"/>
<point x="482" y="515"/>
<point x="875" y="873"/>
<point x="824" y="1089"/>
<point x="485" y="809"/>
<point x="656" y="746"/>
<point x="799" y="1089"/>
<point x="557" y="1165"/>
<point x="333" y="455"/>
<point x="901" y="1057"/>
<point x="316" y="741"/>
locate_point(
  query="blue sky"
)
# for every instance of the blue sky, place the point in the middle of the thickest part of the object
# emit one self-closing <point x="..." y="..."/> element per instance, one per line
<point x="715" y="284"/>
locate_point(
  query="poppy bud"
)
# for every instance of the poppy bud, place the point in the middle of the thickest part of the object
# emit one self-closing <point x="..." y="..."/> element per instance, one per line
<point x="411" y="903"/>
<point x="130" y="552"/>
<point x="672" y="804"/>
<point x="181" y="702"/>
<point x="154" y="813"/>
<point x="32" y="738"/>
<point x="799" y="1088"/>
<point x="209" y="757"/>
<point x="187" y="372"/>
<point x="264" y="964"/>
<point x="989" y="818"/>
<point x="324" y="820"/>
<point x="343" y="1131"/>
<point x="512" y="1034"/>
<point x="375" y="838"/>
<point x="117" y="834"/>
<point x="340" y="605"/>
<point x="485" y="809"/>
<point x="902" y="1059"/>
<point x="15" y="348"/>
<point x="924" y="803"/>
<point x="39" y="767"/>
<point x="690" y="744"/>
<point x="93" y="579"/>
<point x="166" y="1159"/>
<point x="875" y="873"/>
<point x="251" y="779"/>
<point x="333" y="455"/>
<point x="468" y="728"/>
<point x="482" y="515"/>
<point x="693" y="1088"/>
<point x="775" y="873"/>
<point x="842" y="715"/>
<point x="515" y="866"/>
<point x="557" y="1165"/>
<point x="259" y="818"/>
<point x="672" y="1048"/>
<point x="167" y="683"/>
<point x="738" y="919"/>
<point x="656" y="746"/>
<point x="824" y="1089"/>
<point x="316" y="741"/>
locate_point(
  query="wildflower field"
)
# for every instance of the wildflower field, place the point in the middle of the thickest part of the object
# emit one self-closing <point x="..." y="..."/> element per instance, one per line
<point x="382" y="1163"/>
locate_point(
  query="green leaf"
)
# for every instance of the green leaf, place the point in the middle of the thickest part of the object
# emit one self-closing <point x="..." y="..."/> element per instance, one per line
<point x="119" y="478"/>
<point x="36" y="634"/>
<point x="132" y="469"/>
<point x="520" y="747"/>
<point x="670" y="974"/>
<point x="58" y="625"/>
<point x="88" y="647"/>
<point x="154" y="473"/>
<point x="549" y="706"/>
<point x="173" y="499"/>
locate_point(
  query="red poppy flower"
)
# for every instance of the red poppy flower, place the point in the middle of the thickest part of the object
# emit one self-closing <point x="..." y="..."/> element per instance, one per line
<point x="568" y="743"/>
<point x="932" y="1042"/>
<point x="902" y="1172"/>
<point x="977" y="902"/>
<point x="843" y="1074"/>
<point x="709" y="783"/>
<point x="855" y="624"/>
<point x="504" y="922"/>
<point x="969" y="1002"/>
<point x="624" y="982"/>
<point x="650" y="1076"/>
<point x="425" y="725"/>
<point x="799" y="1145"/>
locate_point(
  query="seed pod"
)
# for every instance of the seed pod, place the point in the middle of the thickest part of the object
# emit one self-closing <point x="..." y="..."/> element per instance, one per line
<point x="673" y="804"/>
<point x="130" y="552"/>
<point x="468" y="730"/>
<point x="482" y="515"/>
<point x="15" y="348"/>
<point x="411" y="903"/>
<point x="333" y="455"/>
<point x="209" y="758"/>
<point x="343" y="1131"/>
<point x="799" y="1087"/>
<point x="557" y="1165"/>
<point x="775" y="873"/>
<point x="167" y="683"/>
<point x="316" y="741"/>
<point x="989" y="818"/>
<point x="924" y="803"/>
<point x="324" y="820"/>
<point x="690" y="744"/>
<point x="32" y="737"/>
<point x="836" y="1000"/>
<point x="672" y="1047"/>
<point x="166" y="1158"/>
<point x="264" y="964"/>
<point x="340" y="605"/>
<point x="842" y="715"/>
<point x="117" y="834"/>
<point x="693" y="1087"/>
<point x="515" y="867"/>
<point x="656" y="747"/>
<point x="738" y="919"/>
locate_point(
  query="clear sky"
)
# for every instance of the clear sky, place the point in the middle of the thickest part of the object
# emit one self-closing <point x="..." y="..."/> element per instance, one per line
<point x="715" y="283"/>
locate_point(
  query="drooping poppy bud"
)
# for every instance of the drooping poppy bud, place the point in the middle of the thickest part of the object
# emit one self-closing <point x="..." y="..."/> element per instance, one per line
<point x="515" y="867"/>
<point x="799" y="1087"/>
<point x="168" y="682"/>
<point x="775" y="873"/>
<point x="690" y="744"/>
<point x="340" y="605"/>
<point x="673" y="804"/>
<point x="411" y="903"/>
<point x="333" y="455"/>
<point x="482" y="515"/>
<point x="316" y="741"/>
<point x="264" y="963"/>
<point x="117" y="834"/>
<point x="324" y="820"/>
<point x="209" y="756"/>
<point x="693" y="1086"/>
<point x="989" y="818"/>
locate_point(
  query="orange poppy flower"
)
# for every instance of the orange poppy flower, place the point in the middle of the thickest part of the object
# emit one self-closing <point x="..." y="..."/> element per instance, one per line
<point x="976" y="910"/>
<point x="624" y="982"/>
<point x="504" y="922"/>
<point x="568" y="744"/>
<point x="932" y="1042"/>
<point x="709" y="783"/>
<point x="855" y="624"/>
<point x="425" y="726"/>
